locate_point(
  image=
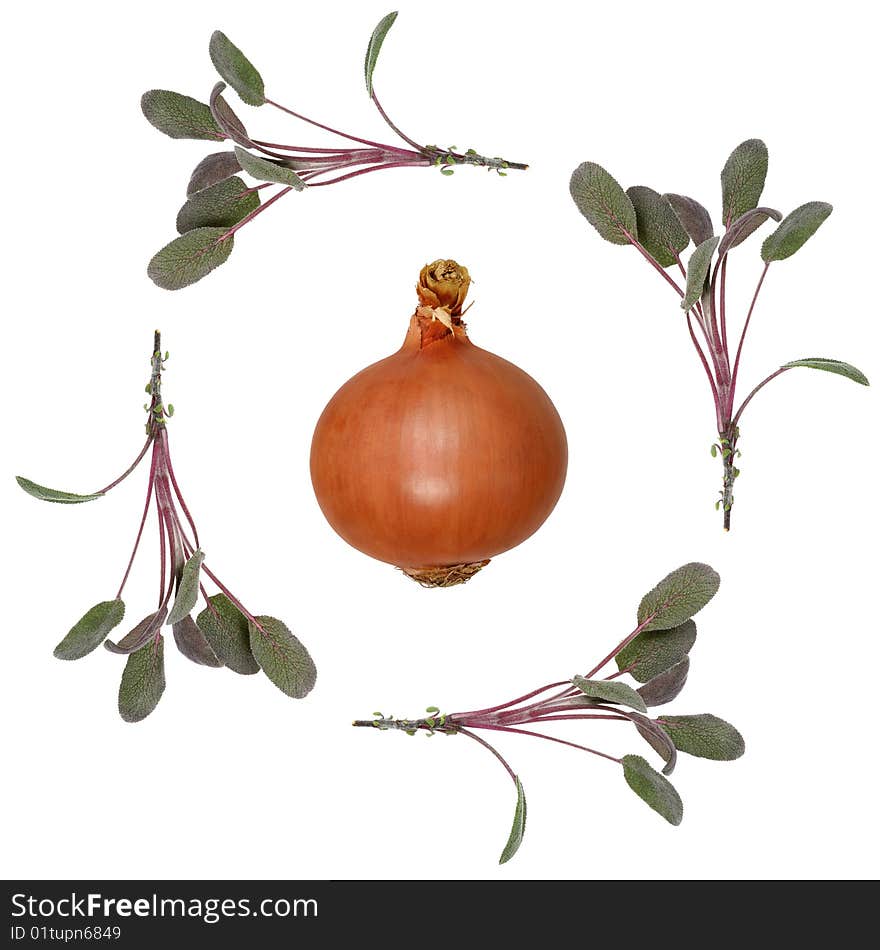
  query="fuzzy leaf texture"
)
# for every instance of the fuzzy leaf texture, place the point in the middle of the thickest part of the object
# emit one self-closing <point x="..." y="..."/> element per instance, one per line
<point x="658" y="740"/>
<point x="192" y="643"/>
<point x="519" y="826"/>
<point x="374" y="46"/>
<point x="745" y="226"/>
<point x="664" y="687"/>
<point x="91" y="630"/>
<point x="282" y="657"/>
<point x="742" y="179"/>
<point x="180" y="117"/>
<point x="660" y="231"/>
<point x="143" y="682"/>
<point x="796" y="229"/>
<point x="219" y="206"/>
<point x="211" y="170"/>
<point x="264" y="170"/>
<point x="679" y="596"/>
<point x="610" y="692"/>
<point x="693" y="216"/>
<point x="236" y="69"/>
<point x="51" y="494"/>
<point x="228" y="121"/>
<point x="831" y="366"/>
<point x="190" y="257"/>
<point x="705" y="736"/>
<point x="139" y="634"/>
<point x="226" y="630"/>
<point x="602" y="201"/>
<point x="655" y="651"/>
<point x="653" y="788"/>
<point x="187" y="589"/>
<point x="698" y="271"/>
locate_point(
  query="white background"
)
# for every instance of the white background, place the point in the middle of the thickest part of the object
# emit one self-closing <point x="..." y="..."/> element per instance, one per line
<point x="229" y="778"/>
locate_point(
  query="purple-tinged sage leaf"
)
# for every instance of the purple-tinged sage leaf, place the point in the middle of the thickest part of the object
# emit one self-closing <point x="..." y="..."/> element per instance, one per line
<point x="705" y="736"/>
<point x="519" y="824"/>
<point x="180" y="117"/>
<point x="52" y="494"/>
<point x="219" y="206"/>
<point x="694" y="217"/>
<point x="742" y="179"/>
<point x="190" y="257"/>
<point x="187" y="589"/>
<point x="143" y="682"/>
<point x="226" y="630"/>
<point x="374" y="46"/>
<point x="192" y="643"/>
<point x="655" y="790"/>
<point x="226" y="119"/>
<point x="796" y="229"/>
<point x="91" y="630"/>
<point x="658" y="740"/>
<point x="660" y="232"/>
<point x="236" y="69"/>
<point x="678" y="596"/>
<point x="831" y="366"/>
<point x="211" y="170"/>
<point x="664" y="687"/>
<point x="744" y="226"/>
<point x="609" y="691"/>
<point x="654" y="652"/>
<point x="265" y="170"/>
<point x="698" y="271"/>
<point x="282" y="657"/>
<point x="139" y="635"/>
<point x="602" y="201"/>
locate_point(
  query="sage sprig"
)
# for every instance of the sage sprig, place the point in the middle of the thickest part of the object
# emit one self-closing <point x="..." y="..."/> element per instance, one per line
<point x="656" y="655"/>
<point x="220" y="203"/>
<point x="661" y="227"/>
<point x="225" y="633"/>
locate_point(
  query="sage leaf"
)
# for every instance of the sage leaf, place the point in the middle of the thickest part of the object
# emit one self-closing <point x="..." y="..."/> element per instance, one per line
<point x="660" y="231"/>
<point x="831" y="366"/>
<point x="653" y="652"/>
<point x="796" y="229"/>
<point x="742" y="179"/>
<point x="610" y="692"/>
<point x="664" y="687"/>
<point x="219" y="206"/>
<point x="693" y="216"/>
<point x="376" y="40"/>
<point x="51" y="494"/>
<point x="744" y="226"/>
<point x="90" y="631"/>
<point x="236" y="69"/>
<point x="602" y="201"/>
<point x="211" y="170"/>
<point x="140" y="634"/>
<point x="678" y="596"/>
<point x="192" y="643"/>
<point x="264" y="170"/>
<point x="187" y="588"/>
<point x="698" y="271"/>
<point x="179" y="117"/>
<point x="226" y="630"/>
<point x="705" y="736"/>
<point x="519" y="826"/>
<point x="653" y="788"/>
<point x="143" y="682"/>
<point x="658" y="740"/>
<point x="282" y="657"/>
<point x="190" y="257"/>
<point x="226" y="119"/>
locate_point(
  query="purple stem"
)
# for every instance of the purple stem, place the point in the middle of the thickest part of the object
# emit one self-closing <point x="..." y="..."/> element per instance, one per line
<point x="303" y="148"/>
<point x="623" y="643"/>
<point x="384" y="115"/>
<point x="541" y="735"/>
<point x="233" y="598"/>
<point x="137" y="540"/>
<point x="130" y="468"/>
<point x="492" y="749"/>
<point x="723" y="306"/>
<point x="742" y="340"/>
<point x="751" y="395"/>
<point x="373" y="168"/>
<point x="161" y="551"/>
<point x="718" y="413"/>
<point x="513" y="702"/>
<point x="166" y="455"/>
<point x="253" y="214"/>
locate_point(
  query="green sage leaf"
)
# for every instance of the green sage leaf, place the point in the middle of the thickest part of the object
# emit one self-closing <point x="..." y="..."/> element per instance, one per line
<point x="610" y="692"/>
<point x="660" y="231"/>
<point x="664" y="687"/>
<point x="744" y="226"/>
<point x="187" y="589"/>
<point x="679" y="596"/>
<point x="226" y="119"/>
<point x="831" y="366"/>
<point x="653" y="652"/>
<point x="140" y="634"/>
<point x="51" y="494"/>
<point x="742" y="179"/>
<point x="376" y="40"/>
<point x="264" y="170"/>
<point x="226" y="630"/>
<point x="796" y="229"/>
<point x="698" y="272"/>
<point x="705" y="736"/>
<point x="190" y="257"/>
<point x="180" y="117"/>
<point x="602" y="201"/>
<point x="653" y="788"/>
<point x="693" y="216"/>
<point x="658" y="740"/>
<point x="282" y="657"/>
<point x="211" y="170"/>
<point x="219" y="206"/>
<point x="91" y="630"/>
<point x="519" y="826"/>
<point x="236" y="69"/>
<point x="143" y="682"/>
<point x="192" y="643"/>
